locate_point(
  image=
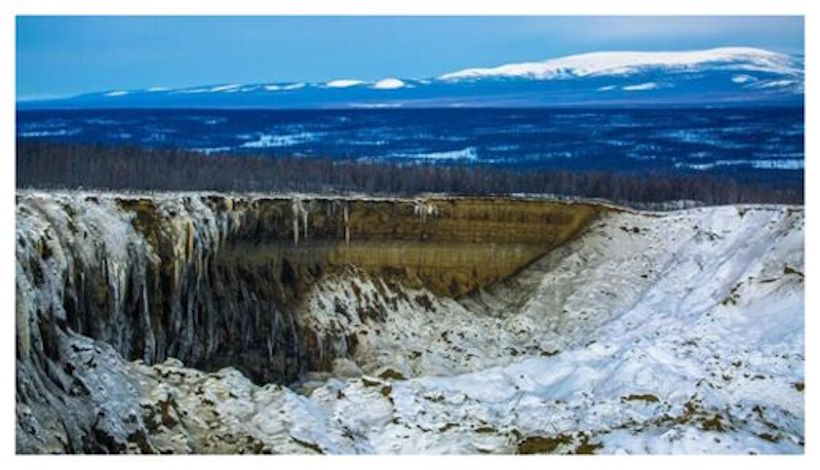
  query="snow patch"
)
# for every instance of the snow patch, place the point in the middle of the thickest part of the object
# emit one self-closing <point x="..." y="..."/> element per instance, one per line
<point x="775" y="84"/>
<point x="194" y="90"/>
<point x="212" y="150"/>
<point x="228" y="87"/>
<point x="765" y="164"/>
<point x="468" y="153"/>
<point x="742" y="78"/>
<point x="286" y="87"/>
<point x="50" y="133"/>
<point x="389" y="84"/>
<point x="375" y="105"/>
<point x="281" y="140"/>
<point x="641" y="87"/>
<point x="344" y="83"/>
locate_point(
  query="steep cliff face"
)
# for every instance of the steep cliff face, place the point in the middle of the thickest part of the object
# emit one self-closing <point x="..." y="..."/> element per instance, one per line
<point x="219" y="281"/>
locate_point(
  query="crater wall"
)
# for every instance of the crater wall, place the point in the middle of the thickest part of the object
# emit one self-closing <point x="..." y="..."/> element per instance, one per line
<point x="217" y="280"/>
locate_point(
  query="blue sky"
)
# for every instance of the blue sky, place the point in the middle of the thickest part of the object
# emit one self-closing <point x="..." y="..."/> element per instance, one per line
<point x="59" y="56"/>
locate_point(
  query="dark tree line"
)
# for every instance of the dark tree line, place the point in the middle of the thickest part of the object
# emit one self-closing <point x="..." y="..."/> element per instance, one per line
<point x="42" y="164"/>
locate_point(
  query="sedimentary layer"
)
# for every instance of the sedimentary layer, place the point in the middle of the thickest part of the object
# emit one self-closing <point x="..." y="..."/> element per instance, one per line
<point x="215" y="280"/>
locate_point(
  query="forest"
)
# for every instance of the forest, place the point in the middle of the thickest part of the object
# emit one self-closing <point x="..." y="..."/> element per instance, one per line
<point x="54" y="165"/>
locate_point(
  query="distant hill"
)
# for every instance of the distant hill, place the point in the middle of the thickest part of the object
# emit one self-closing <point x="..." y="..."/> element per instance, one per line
<point x="731" y="76"/>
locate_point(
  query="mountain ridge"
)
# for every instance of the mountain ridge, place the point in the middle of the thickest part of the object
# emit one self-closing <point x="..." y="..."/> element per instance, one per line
<point x="721" y="76"/>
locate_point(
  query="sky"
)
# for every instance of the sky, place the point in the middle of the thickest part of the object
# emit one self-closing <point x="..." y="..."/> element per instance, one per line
<point x="63" y="56"/>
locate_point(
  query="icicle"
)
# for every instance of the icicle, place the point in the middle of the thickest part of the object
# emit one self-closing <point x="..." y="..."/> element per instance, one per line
<point x="420" y="209"/>
<point x="295" y="206"/>
<point x="347" y="225"/>
<point x="305" y="222"/>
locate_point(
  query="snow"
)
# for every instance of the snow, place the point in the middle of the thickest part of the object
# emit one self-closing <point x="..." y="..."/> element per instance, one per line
<point x="384" y="84"/>
<point x="228" y="87"/>
<point x="280" y="140"/>
<point x="679" y="332"/>
<point x="775" y="83"/>
<point x="670" y="336"/>
<point x="675" y="332"/>
<point x="375" y="105"/>
<point x="194" y="90"/>
<point x="389" y="84"/>
<point x="752" y="68"/>
<point x="287" y="87"/>
<point x="628" y="62"/>
<point x="641" y="87"/>
<point x="344" y="83"/>
<point x="211" y="150"/>
<point x="701" y="310"/>
<point x="761" y="164"/>
<point x="468" y="153"/>
<point x="50" y="133"/>
<point x="743" y="78"/>
<point x="780" y="164"/>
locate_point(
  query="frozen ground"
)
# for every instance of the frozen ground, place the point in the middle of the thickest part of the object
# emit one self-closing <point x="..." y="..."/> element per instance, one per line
<point x="651" y="333"/>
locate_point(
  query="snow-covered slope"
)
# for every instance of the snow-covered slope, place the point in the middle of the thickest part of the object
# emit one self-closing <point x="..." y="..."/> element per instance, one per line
<point x="675" y="332"/>
<point x="633" y="62"/>
<point x="722" y="76"/>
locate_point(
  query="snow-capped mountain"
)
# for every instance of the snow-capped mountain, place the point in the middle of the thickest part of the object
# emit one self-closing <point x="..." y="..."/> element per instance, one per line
<point x="722" y="76"/>
<point x="630" y="63"/>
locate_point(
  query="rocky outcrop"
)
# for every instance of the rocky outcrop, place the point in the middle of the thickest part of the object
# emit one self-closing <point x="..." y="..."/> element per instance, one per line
<point x="217" y="281"/>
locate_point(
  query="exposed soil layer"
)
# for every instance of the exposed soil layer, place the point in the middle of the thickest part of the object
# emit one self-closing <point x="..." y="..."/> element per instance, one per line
<point x="217" y="281"/>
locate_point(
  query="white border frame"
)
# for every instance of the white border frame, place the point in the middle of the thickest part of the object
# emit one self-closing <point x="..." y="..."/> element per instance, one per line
<point x="11" y="8"/>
